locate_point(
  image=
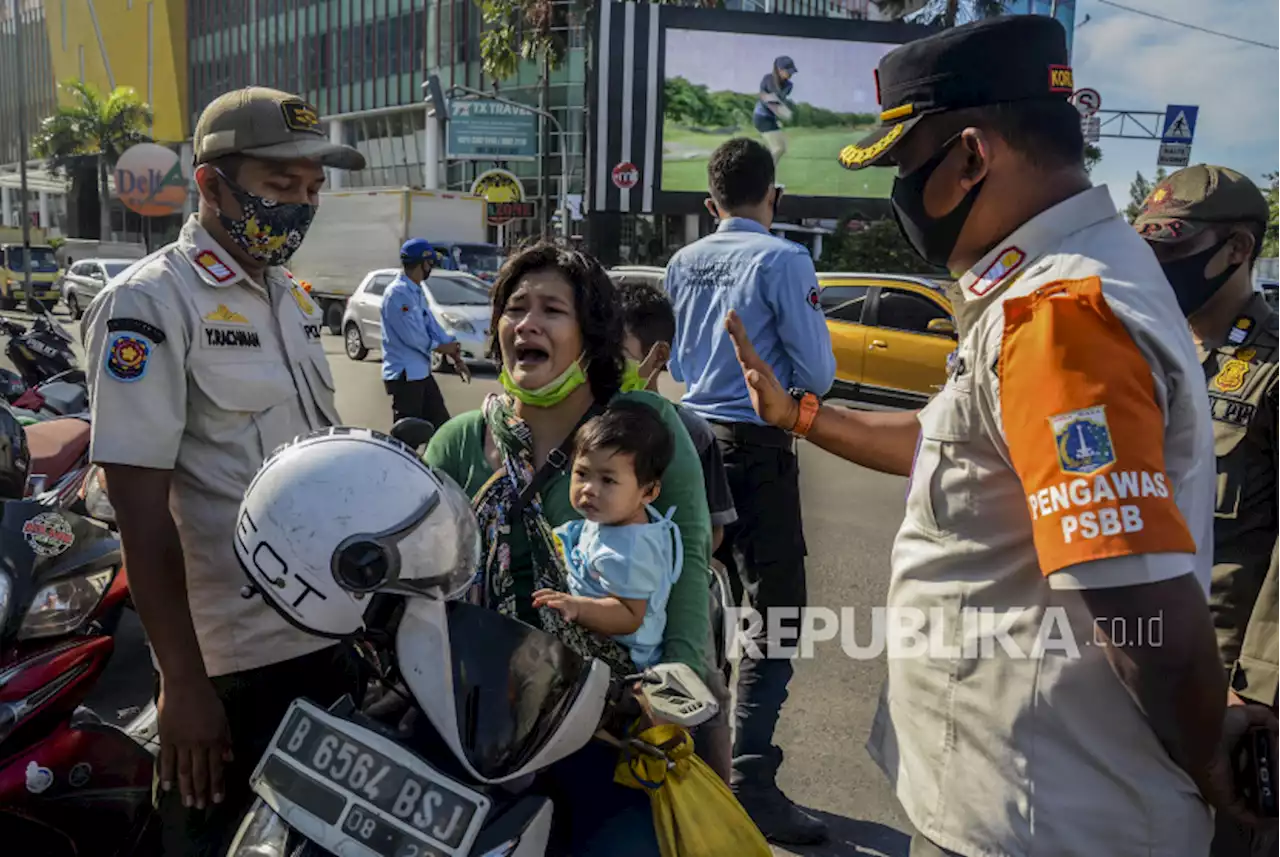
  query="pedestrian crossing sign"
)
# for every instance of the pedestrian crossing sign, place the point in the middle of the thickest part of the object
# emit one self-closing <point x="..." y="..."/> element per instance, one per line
<point x="1179" y="123"/>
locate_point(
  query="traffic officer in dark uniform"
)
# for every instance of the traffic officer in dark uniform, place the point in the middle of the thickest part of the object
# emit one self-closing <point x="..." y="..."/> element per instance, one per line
<point x="1206" y="225"/>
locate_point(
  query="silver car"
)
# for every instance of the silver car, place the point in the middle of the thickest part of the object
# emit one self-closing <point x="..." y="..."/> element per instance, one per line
<point x="460" y="302"/>
<point x="83" y="280"/>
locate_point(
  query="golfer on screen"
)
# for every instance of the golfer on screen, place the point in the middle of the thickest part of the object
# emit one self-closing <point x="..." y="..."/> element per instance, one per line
<point x="773" y="104"/>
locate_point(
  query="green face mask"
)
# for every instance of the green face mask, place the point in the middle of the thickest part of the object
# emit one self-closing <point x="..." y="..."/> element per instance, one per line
<point x="632" y="380"/>
<point x="553" y="392"/>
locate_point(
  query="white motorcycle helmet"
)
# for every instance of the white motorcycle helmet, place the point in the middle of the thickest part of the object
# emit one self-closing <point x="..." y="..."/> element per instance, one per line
<point x="342" y="513"/>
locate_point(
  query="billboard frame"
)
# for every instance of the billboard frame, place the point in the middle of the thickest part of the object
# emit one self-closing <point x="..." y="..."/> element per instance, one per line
<point x="615" y="23"/>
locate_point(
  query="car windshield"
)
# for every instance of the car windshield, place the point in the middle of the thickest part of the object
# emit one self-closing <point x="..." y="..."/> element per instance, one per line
<point x="114" y="268"/>
<point x="455" y="291"/>
<point x="477" y="258"/>
<point x="42" y="259"/>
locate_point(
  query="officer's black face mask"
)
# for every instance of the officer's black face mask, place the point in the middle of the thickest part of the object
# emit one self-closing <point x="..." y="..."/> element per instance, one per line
<point x="933" y="238"/>
<point x="1190" y="285"/>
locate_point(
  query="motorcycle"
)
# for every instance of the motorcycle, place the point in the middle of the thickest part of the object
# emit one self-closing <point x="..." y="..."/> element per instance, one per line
<point x="59" y="451"/>
<point x="492" y="701"/>
<point x="48" y="381"/>
<point x="70" y="784"/>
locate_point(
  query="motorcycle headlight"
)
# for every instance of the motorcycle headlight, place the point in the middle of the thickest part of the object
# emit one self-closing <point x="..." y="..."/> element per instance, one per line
<point x="457" y="322"/>
<point x="261" y="834"/>
<point x="62" y="606"/>
<point x="96" y="502"/>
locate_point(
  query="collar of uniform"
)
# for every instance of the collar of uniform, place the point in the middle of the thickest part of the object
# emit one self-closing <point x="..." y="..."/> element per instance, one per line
<point x="741" y="224"/>
<point x="1029" y="241"/>
<point x="213" y="263"/>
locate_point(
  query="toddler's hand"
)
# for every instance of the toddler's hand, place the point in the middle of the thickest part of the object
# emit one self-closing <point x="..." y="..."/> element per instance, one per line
<point x="562" y="602"/>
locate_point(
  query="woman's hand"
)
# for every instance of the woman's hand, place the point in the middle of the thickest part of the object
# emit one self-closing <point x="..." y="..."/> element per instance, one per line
<point x="562" y="602"/>
<point x="774" y="404"/>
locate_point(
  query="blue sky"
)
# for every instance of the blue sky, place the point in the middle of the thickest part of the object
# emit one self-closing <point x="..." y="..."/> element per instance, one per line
<point x="1137" y="63"/>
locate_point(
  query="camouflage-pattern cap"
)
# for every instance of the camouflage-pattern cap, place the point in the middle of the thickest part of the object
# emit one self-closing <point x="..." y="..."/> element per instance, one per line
<point x="1198" y="198"/>
<point x="266" y="123"/>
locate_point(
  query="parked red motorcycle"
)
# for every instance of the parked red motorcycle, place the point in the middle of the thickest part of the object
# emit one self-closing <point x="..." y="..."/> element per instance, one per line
<point x="70" y="784"/>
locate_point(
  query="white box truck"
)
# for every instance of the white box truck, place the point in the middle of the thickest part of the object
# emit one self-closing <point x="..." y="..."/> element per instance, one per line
<point x="357" y="231"/>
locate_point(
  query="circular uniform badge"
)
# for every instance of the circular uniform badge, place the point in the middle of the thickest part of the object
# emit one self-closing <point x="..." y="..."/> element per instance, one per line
<point x="48" y="534"/>
<point x="127" y="356"/>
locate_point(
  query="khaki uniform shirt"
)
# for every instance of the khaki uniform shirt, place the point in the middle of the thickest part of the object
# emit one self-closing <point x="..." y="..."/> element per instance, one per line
<point x="1069" y="449"/>
<point x="1243" y="385"/>
<point x="195" y="368"/>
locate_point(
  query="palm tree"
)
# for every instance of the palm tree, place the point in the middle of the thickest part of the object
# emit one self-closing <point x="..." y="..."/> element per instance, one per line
<point x="94" y="125"/>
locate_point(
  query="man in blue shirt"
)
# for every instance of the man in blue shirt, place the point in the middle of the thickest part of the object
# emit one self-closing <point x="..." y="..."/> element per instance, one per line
<point x="409" y="334"/>
<point x="771" y="284"/>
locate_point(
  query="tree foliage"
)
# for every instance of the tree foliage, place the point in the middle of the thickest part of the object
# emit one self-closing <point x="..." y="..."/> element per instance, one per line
<point x="692" y="104"/>
<point x="92" y="124"/>
<point x="877" y="246"/>
<point x="1271" y="238"/>
<point x="1139" y="190"/>
<point x="946" y="13"/>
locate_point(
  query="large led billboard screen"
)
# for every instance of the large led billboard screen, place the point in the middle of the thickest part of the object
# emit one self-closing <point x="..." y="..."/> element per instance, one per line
<point x="719" y="85"/>
<point x="670" y="83"/>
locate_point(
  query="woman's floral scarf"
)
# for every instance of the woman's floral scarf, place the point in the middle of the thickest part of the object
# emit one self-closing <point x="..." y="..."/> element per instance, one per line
<point x="493" y="504"/>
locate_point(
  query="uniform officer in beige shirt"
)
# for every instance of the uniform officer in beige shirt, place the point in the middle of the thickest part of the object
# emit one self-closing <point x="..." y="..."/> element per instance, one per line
<point x="1055" y="553"/>
<point x="204" y="358"/>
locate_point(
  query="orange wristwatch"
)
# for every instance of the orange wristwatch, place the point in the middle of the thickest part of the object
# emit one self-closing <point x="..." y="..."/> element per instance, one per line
<point x="809" y="404"/>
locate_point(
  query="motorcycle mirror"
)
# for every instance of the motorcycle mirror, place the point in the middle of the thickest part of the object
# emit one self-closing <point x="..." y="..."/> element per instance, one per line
<point x="413" y="432"/>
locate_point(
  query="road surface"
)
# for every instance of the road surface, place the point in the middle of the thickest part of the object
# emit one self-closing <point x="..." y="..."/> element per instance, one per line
<point x="850" y="516"/>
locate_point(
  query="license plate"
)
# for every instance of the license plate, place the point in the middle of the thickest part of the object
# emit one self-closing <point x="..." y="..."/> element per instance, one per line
<point x="355" y="792"/>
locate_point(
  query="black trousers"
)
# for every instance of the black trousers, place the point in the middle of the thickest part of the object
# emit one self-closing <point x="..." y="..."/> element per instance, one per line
<point x="255" y="702"/>
<point x="421" y="399"/>
<point x="764" y="553"/>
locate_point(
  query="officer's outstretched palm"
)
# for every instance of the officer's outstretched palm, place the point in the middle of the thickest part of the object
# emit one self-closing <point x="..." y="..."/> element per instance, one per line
<point x="774" y="404"/>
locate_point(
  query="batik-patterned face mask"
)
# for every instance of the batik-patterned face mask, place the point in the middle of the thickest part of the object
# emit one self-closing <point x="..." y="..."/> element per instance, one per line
<point x="267" y="230"/>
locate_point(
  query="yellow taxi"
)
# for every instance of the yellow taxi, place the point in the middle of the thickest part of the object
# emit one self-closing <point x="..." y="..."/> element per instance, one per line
<point x="891" y="336"/>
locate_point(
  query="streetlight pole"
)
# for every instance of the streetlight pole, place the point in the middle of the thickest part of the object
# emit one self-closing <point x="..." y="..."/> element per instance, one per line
<point x="23" y="102"/>
<point x="564" y="154"/>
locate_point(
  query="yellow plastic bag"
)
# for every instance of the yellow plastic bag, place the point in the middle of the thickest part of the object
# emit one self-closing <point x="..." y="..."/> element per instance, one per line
<point x="694" y="813"/>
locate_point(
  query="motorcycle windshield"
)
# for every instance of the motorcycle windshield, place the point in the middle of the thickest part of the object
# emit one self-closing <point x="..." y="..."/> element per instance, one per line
<point x="513" y="685"/>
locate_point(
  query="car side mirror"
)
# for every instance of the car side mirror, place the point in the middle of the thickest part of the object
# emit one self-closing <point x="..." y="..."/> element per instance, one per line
<point x="413" y="432"/>
<point x="942" y="325"/>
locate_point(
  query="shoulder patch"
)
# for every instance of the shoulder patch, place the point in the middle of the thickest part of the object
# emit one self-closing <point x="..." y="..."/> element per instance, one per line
<point x="217" y="269"/>
<point x="814" y="300"/>
<point x="127" y="355"/>
<point x="134" y="325"/>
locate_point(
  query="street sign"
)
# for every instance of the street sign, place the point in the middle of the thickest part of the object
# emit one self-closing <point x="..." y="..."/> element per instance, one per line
<point x="483" y="130"/>
<point x="1174" y="155"/>
<point x="504" y="195"/>
<point x="1091" y="127"/>
<point x="626" y="175"/>
<point x="1179" y="123"/>
<point x="1087" y="101"/>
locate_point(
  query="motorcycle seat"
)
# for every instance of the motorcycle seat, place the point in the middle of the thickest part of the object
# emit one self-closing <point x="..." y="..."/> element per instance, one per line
<point x="56" y="445"/>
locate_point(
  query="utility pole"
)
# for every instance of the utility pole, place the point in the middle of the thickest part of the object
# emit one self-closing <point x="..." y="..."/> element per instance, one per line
<point x="23" y="102"/>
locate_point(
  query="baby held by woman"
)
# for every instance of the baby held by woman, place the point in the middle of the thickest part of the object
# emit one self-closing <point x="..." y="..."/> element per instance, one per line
<point x="624" y="556"/>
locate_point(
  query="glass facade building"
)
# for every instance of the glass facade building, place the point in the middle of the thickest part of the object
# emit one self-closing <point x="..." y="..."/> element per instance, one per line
<point x="363" y="63"/>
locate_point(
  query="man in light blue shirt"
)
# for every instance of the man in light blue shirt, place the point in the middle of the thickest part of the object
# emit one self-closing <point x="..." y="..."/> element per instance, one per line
<point x="771" y="284"/>
<point x="410" y="333"/>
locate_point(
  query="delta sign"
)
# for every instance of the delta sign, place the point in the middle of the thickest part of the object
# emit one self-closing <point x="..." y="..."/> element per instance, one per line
<point x="151" y="181"/>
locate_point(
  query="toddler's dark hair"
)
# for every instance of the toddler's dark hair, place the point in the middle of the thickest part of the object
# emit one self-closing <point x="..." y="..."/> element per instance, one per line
<point x="633" y="428"/>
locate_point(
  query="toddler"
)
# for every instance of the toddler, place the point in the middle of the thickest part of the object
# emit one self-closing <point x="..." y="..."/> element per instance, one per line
<point x="623" y="557"/>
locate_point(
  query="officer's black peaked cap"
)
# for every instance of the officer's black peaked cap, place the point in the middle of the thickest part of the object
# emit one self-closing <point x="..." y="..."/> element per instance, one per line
<point x="996" y="60"/>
